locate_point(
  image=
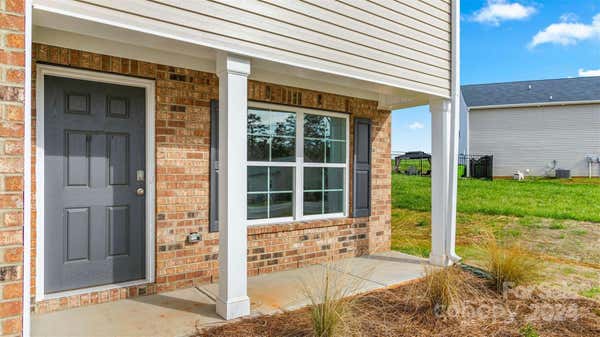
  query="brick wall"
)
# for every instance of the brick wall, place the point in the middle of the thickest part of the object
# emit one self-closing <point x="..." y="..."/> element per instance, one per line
<point x="182" y="181"/>
<point x="12" y="80"/>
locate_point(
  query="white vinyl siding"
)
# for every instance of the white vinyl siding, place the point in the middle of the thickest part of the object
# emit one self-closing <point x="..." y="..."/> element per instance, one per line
<point x="400" y="43"/>
<point x="531" y="138"/>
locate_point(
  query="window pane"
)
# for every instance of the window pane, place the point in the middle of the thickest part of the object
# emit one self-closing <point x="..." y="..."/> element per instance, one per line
<point x="313" y="203"/>
<point x="282" y="179"/>
<point x="283" y="123"/>
<point x="314" y="151"/>
<point x="258" y="148"/>
<point x="257" y="179"/>
<point x="336" y="152"/>
<point x="334" y="178"/>
<point x="258" y="122"/>
<point x="337" y="128"/>
<point x="334" y="202"/>
<point x="314" y="126"/>
<point x="257" y="206"/>
<point x="313" y="178"/>
<point x="283" y="149"/>
<point x="280" y="205"/>
<point x="271" y="135"/>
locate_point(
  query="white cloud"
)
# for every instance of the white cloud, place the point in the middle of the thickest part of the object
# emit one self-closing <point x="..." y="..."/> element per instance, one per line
<point x="569" y="17"/>
<point x="497" y="11"/>
<point x="568" y="32"/>
<point x="586" y="73"/>
<point x="416" y="125"/>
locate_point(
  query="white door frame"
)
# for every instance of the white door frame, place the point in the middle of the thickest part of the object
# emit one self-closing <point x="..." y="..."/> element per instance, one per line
<point x="149" y="86"/>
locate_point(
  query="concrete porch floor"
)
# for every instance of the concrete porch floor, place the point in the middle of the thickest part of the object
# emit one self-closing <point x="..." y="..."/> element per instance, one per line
<point x="183" y="312"/>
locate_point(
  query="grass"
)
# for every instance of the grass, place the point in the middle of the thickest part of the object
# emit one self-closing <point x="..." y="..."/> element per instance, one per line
<point x="529" y="331"/>
<point x="547" y="198"/>
<point x="553" y="219"/>
<point x="591" y="293"/>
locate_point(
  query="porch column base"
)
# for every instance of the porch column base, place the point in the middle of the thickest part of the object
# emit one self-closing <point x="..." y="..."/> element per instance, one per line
<point x="443" y="260"/>
<point x="234" y="308"/>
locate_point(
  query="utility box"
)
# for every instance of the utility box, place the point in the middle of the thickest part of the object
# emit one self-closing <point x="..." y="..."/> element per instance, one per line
<point x="563" y="174"/>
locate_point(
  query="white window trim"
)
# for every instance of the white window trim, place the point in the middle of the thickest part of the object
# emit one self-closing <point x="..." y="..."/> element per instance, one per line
<point x="149" y="86"/>
<point x="299" y="164"/>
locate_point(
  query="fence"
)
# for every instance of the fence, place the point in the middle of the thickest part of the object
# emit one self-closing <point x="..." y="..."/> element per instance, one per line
<point x="476" y="166"/>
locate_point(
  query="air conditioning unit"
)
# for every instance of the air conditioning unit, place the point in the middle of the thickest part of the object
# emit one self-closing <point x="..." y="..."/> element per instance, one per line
<point x="563" y="174"/>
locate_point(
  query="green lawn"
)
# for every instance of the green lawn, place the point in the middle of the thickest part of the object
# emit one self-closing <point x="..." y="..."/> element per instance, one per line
<point x="576" y="199"/>
<point x="556" y="220"/>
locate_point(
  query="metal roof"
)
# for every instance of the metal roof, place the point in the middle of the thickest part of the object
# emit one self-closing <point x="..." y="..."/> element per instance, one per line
<point x="578" y="89"/>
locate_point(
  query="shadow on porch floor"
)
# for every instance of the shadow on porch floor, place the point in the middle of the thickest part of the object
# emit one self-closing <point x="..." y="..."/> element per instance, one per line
<point x="182" y="312"/>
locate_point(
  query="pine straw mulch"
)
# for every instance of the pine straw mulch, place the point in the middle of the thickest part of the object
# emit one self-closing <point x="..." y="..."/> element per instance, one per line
<point x="402" y="311"/>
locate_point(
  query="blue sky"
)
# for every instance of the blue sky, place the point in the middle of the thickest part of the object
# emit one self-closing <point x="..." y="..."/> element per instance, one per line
<point x="511" y="40"/>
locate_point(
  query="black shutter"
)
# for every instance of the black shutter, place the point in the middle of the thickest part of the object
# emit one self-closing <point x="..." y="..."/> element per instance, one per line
<point x="214" y="167"/>
<point x="361" y="205"/>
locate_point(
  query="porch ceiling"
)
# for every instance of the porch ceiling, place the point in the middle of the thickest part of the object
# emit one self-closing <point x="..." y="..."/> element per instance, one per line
<point x="66" y="31"/>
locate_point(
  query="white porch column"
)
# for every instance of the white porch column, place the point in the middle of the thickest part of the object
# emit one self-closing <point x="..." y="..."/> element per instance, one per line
<point x="233" y="72"/>
<point x="444" y="171"/>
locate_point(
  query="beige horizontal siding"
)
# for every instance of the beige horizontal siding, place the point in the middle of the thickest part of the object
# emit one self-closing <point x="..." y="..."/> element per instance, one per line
<point x="405" y="43"/>
<point x="418" y="11"/>
<point x="442" y="5"/>
<point x="434" y="11"/>
<point x="403" y="15"/>
<point x="531" y="138"/>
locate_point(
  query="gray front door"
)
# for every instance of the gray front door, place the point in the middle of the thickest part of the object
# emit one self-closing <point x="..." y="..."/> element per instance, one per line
<point x="94" y="217"/>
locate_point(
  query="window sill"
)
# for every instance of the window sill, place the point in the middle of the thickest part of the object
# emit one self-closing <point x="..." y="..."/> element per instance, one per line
<point x="295" y="225"/>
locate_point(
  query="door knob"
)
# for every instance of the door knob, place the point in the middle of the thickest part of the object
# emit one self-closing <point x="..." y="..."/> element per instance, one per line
<point x="139" y="191"/>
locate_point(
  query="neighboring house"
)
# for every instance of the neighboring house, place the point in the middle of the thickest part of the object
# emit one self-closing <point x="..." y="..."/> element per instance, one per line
<point x="535" y="126"/>
<point x="463" y="144"/>
<point x="155" y="145"/>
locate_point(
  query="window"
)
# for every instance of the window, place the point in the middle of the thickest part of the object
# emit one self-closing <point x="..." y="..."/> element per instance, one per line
<point x="297" y="164"/>
<point x="270" y="192"/>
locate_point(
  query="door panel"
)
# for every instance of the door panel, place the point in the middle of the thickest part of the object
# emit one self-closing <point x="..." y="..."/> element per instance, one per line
<point x="94" y="142"/>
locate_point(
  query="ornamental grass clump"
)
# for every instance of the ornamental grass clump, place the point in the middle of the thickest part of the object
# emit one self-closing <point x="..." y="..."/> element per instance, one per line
<point x="442" y="287"/>
<point x="331" y="301"/>
<point x="510" y="265"/>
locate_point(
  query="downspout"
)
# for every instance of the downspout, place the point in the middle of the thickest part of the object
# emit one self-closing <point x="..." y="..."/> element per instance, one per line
<point x="455" y="101"/>
<point x="26" y="319"/>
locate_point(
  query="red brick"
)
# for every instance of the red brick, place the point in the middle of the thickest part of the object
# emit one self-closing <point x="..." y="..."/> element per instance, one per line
<point x="13" y="183"/>
<point x="12" y="290"/>
<point x="15" y="6"/>
<point x="12" y="94"/>
<point x="11" y="165"/>
<point x="11" y="129"/>
<point x="11" y="219"/>
<point x="12" y="58"/>
<point x="15" y="41"/>
<point x="11" y="326"/>
<point x="12" y="22"/>
<point x="11" y="237"/>
<point x="8" y="309"/>
<point x="10" y="201"/>
<point x="12" y="255"/>
<point x="15" y="76"/>
<point x="14" y="112"/>
<point x="13" y="147"/>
